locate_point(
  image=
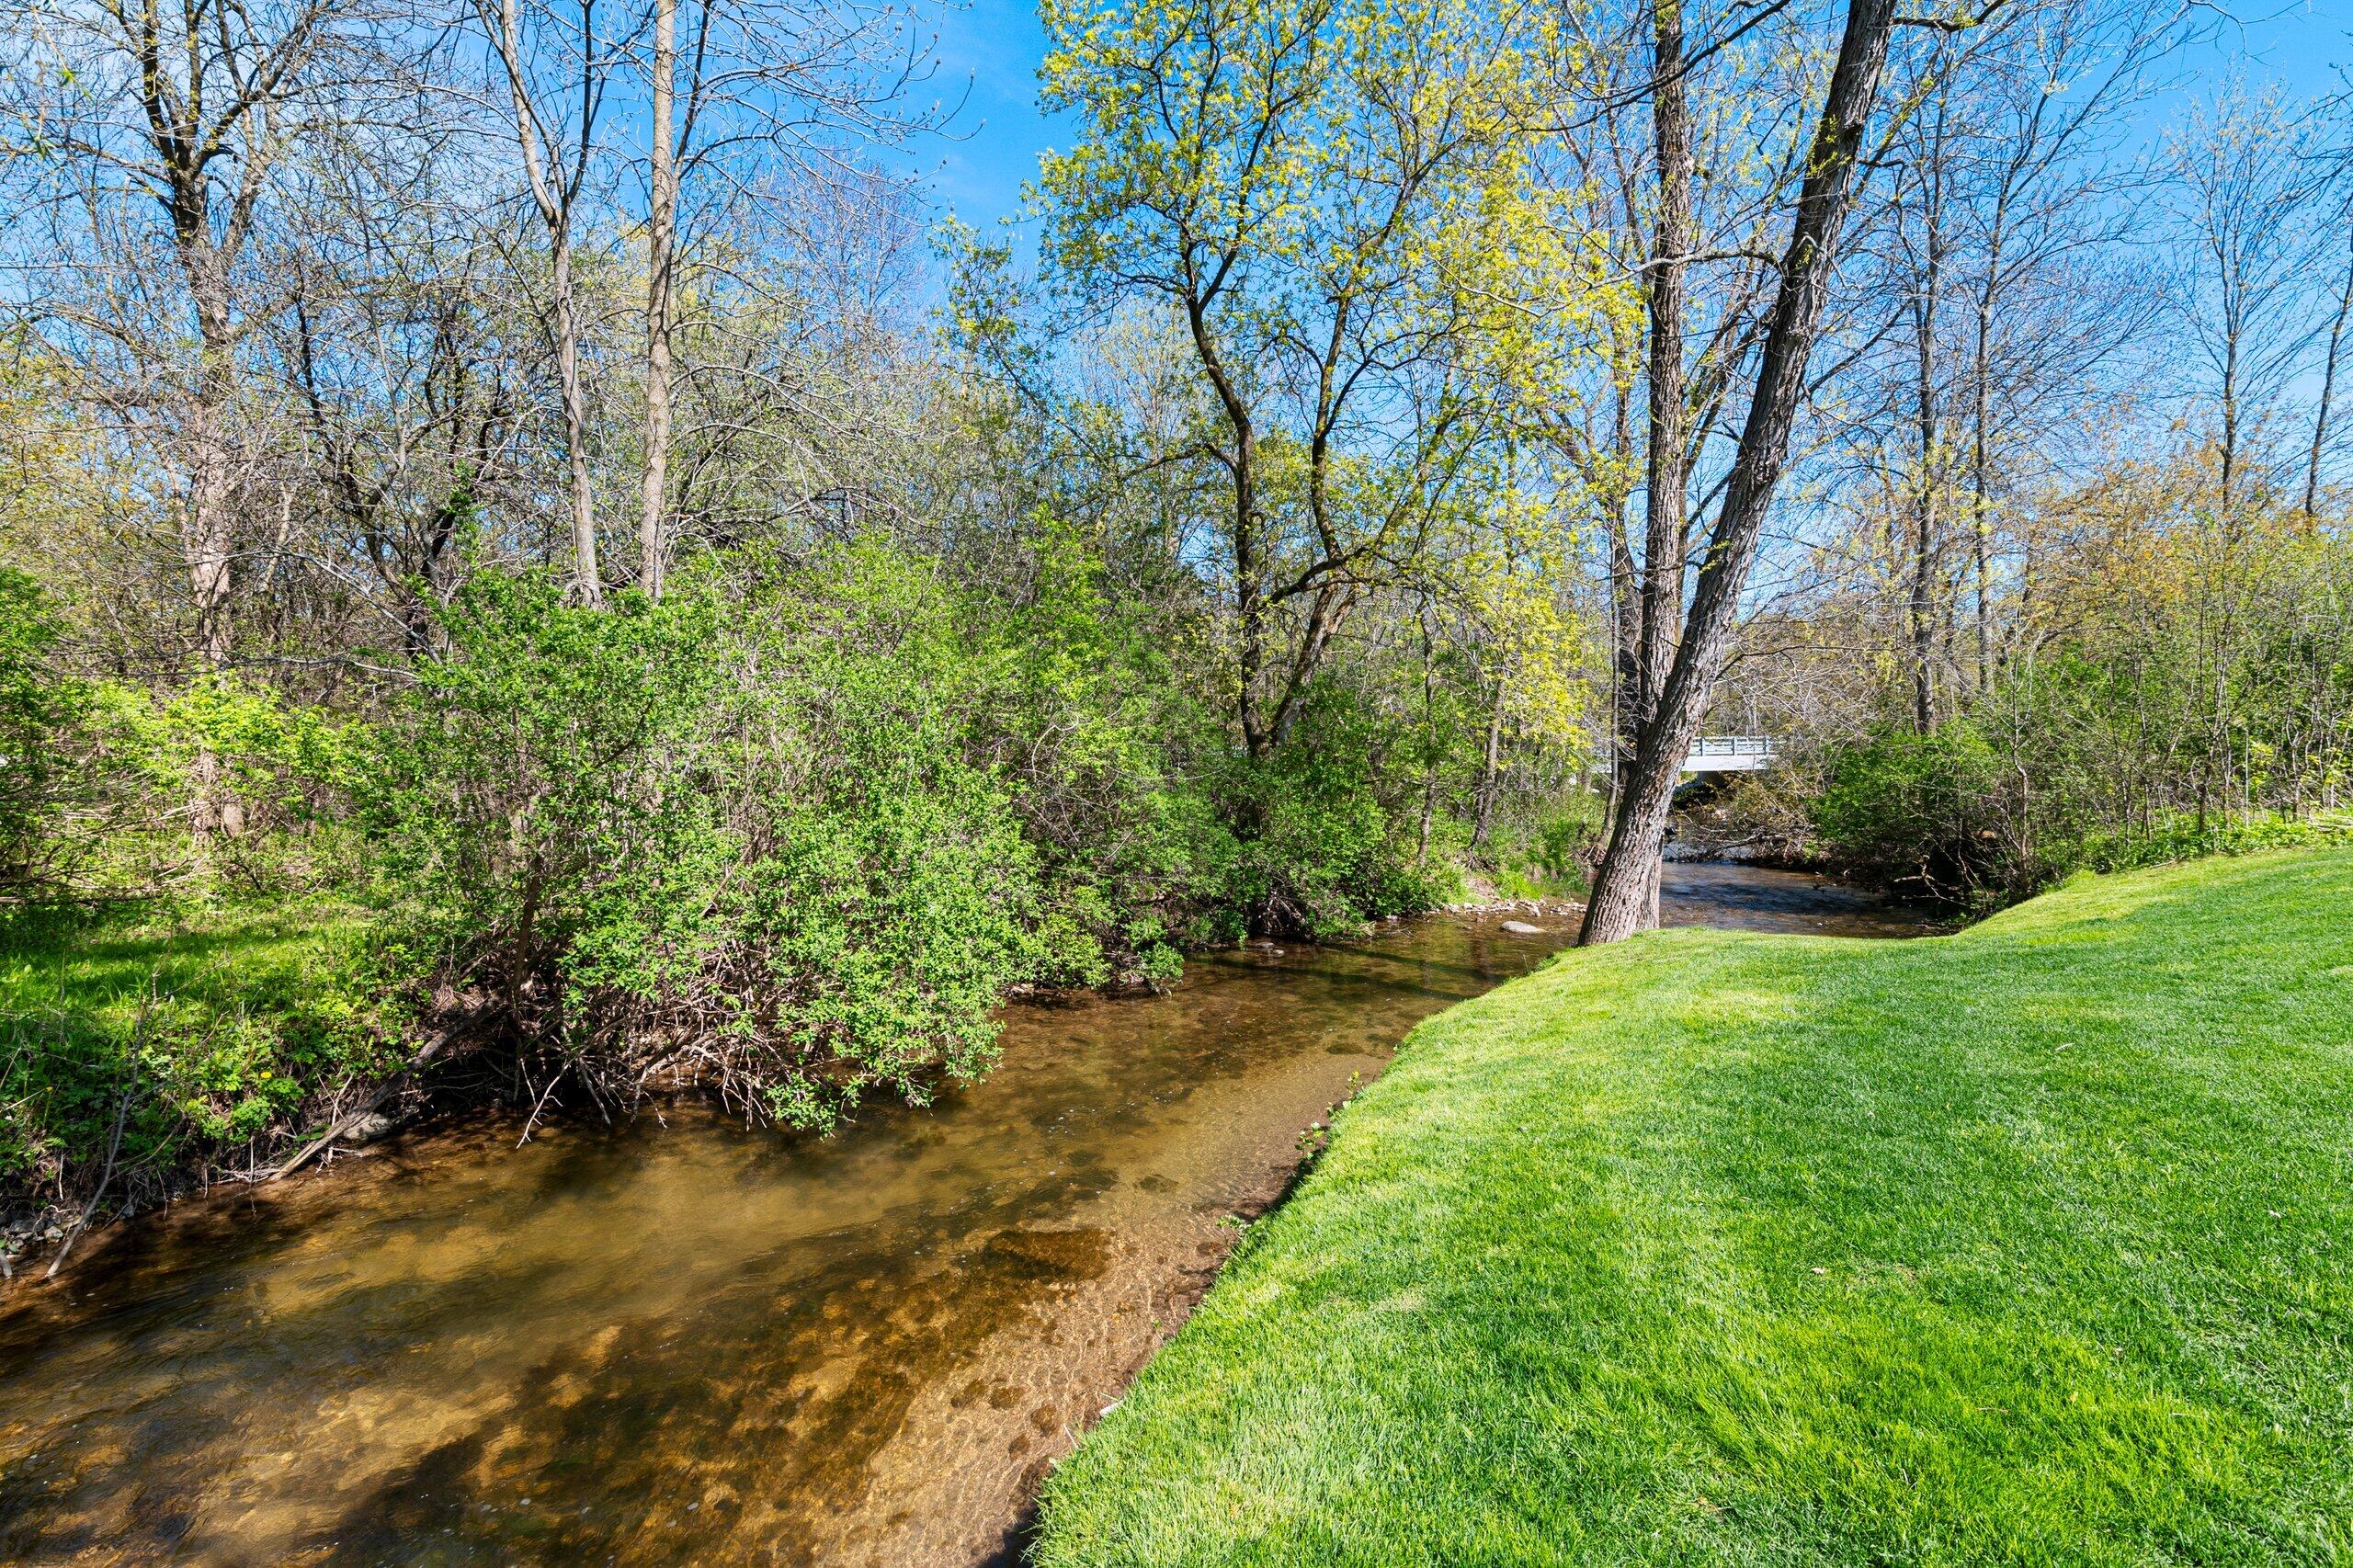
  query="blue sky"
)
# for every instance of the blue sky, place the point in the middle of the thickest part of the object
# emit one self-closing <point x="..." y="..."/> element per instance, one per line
<point x="989" y="52"/>
<point x="988" y="56"/>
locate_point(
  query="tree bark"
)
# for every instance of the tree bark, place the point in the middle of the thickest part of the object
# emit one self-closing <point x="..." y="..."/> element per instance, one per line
<point x="1659" y="610"/>
<point x="2229" y="409"/>
<point x="1623" y="896"/>
<point x="2328" y="393"/>
<point x="1979" y="519"/>
<point x="661" y="203"/>
<point x="587" y="580"/>
<point x="1927" y="421"/>
<point x="553" y="192"/>
<point x="206" y="523"/>
<point x="1491" y="768"/>
<point x="1250" y="610"/>
<point x="1658" y="604"/>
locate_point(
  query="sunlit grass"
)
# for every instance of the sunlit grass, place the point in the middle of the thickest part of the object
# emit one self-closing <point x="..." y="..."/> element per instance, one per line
<point x="97" y="967"/>
<point x="2029" y="1245"/>
<point x="189" y="1027"/>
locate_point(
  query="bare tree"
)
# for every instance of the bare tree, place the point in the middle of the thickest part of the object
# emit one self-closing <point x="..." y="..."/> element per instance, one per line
<point x="135" y="123"/>
<point x="2322" y="405"/>
<point x="2243" y="199"/>
<point x="1924" y="236"/>
<point x="413" y="367"/>
<point x="2047" y="208"/>
<point x="661" y="247"/>
<point x="760" y="100"/>
<point x="557" y="62"/>
<point x="2007" y="206"/>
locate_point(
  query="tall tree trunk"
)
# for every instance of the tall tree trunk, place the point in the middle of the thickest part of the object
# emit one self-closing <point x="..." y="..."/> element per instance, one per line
<point x="1626" y="673"/>
<point x="587" y="581"/>
<point x="205" y="526"/>
<point x="1920" y="602"/>
<point x="1928" y="417"/>
<point x="1429" y="739"/>
<point x="1981" y="375"/>
<point x="206" y="523"/>
<point x="1981" y="524"/>
<point x="1491" y="769"/>
<point x="1667" y="479"/>
<point x="1250" y="608"/>
<point x="2229" y="413"/>
<point x="662" y="218"/>
<point x="2327" y="390"/>
<point x="1625" y="584"/>
<point x="553" y="192"/>
<point x="1920" y="608"/>
<point x="1624" y="885"/>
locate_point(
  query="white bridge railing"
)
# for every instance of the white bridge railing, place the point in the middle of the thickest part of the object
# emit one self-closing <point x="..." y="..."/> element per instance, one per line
<point x="1731" y="754"/>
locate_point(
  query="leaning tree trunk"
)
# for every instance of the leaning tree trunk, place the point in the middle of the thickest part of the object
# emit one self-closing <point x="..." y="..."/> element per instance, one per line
<point x="1623" y="886"/>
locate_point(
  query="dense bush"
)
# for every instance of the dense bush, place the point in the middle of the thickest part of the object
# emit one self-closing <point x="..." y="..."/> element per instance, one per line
<point x="2188" y="688"/>
<point x="1956" y="816"/>
<point x="1070" y="698"/>
<point x="37" y="705"/>
<point x="1315" y="850"/>
<point x="729" y="838"/>
<point x="791" y="833"/>
<point x="1920" y="811"/>
<point x="109" y="791"/>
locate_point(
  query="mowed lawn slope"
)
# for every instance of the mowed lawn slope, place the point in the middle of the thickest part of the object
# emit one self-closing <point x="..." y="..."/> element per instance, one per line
<point x="2029" y="1244"/>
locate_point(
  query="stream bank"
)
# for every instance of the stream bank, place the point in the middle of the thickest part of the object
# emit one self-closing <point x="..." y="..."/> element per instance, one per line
<point x="683" y="1340"/>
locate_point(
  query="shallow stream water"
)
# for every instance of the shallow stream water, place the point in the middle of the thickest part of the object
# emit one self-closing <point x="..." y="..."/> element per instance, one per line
<point x="682" y="1341"/>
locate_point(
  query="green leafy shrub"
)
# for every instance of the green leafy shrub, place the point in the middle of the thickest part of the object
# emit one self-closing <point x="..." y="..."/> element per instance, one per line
<point x="271" y="776"/>
<point x="1950" y="815"/>
<point x="1074" y="703"/>
<point x="38" y="706"/>
<point x="1315" y="849"/>
<point x="1919" y="811"/>
<point x="729" y="838"/>
<point x="1551" y="854"/>
<point x="2182" y="839"/>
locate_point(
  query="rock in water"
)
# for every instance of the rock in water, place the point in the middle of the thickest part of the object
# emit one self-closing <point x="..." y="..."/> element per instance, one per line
<point x="1522" y="928"/>
<point x="370" y="1128"/>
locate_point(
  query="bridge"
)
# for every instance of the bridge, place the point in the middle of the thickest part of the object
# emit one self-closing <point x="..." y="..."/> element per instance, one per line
<point x="1731" y="754"/>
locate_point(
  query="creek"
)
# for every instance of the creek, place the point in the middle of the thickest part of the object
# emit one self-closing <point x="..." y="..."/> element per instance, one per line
<point x="681" y="1340"/>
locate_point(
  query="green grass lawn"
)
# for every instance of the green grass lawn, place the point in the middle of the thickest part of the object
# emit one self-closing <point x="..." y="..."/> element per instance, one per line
<point x="2029" y="1244"/>
<point x="200" y="1025"/>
